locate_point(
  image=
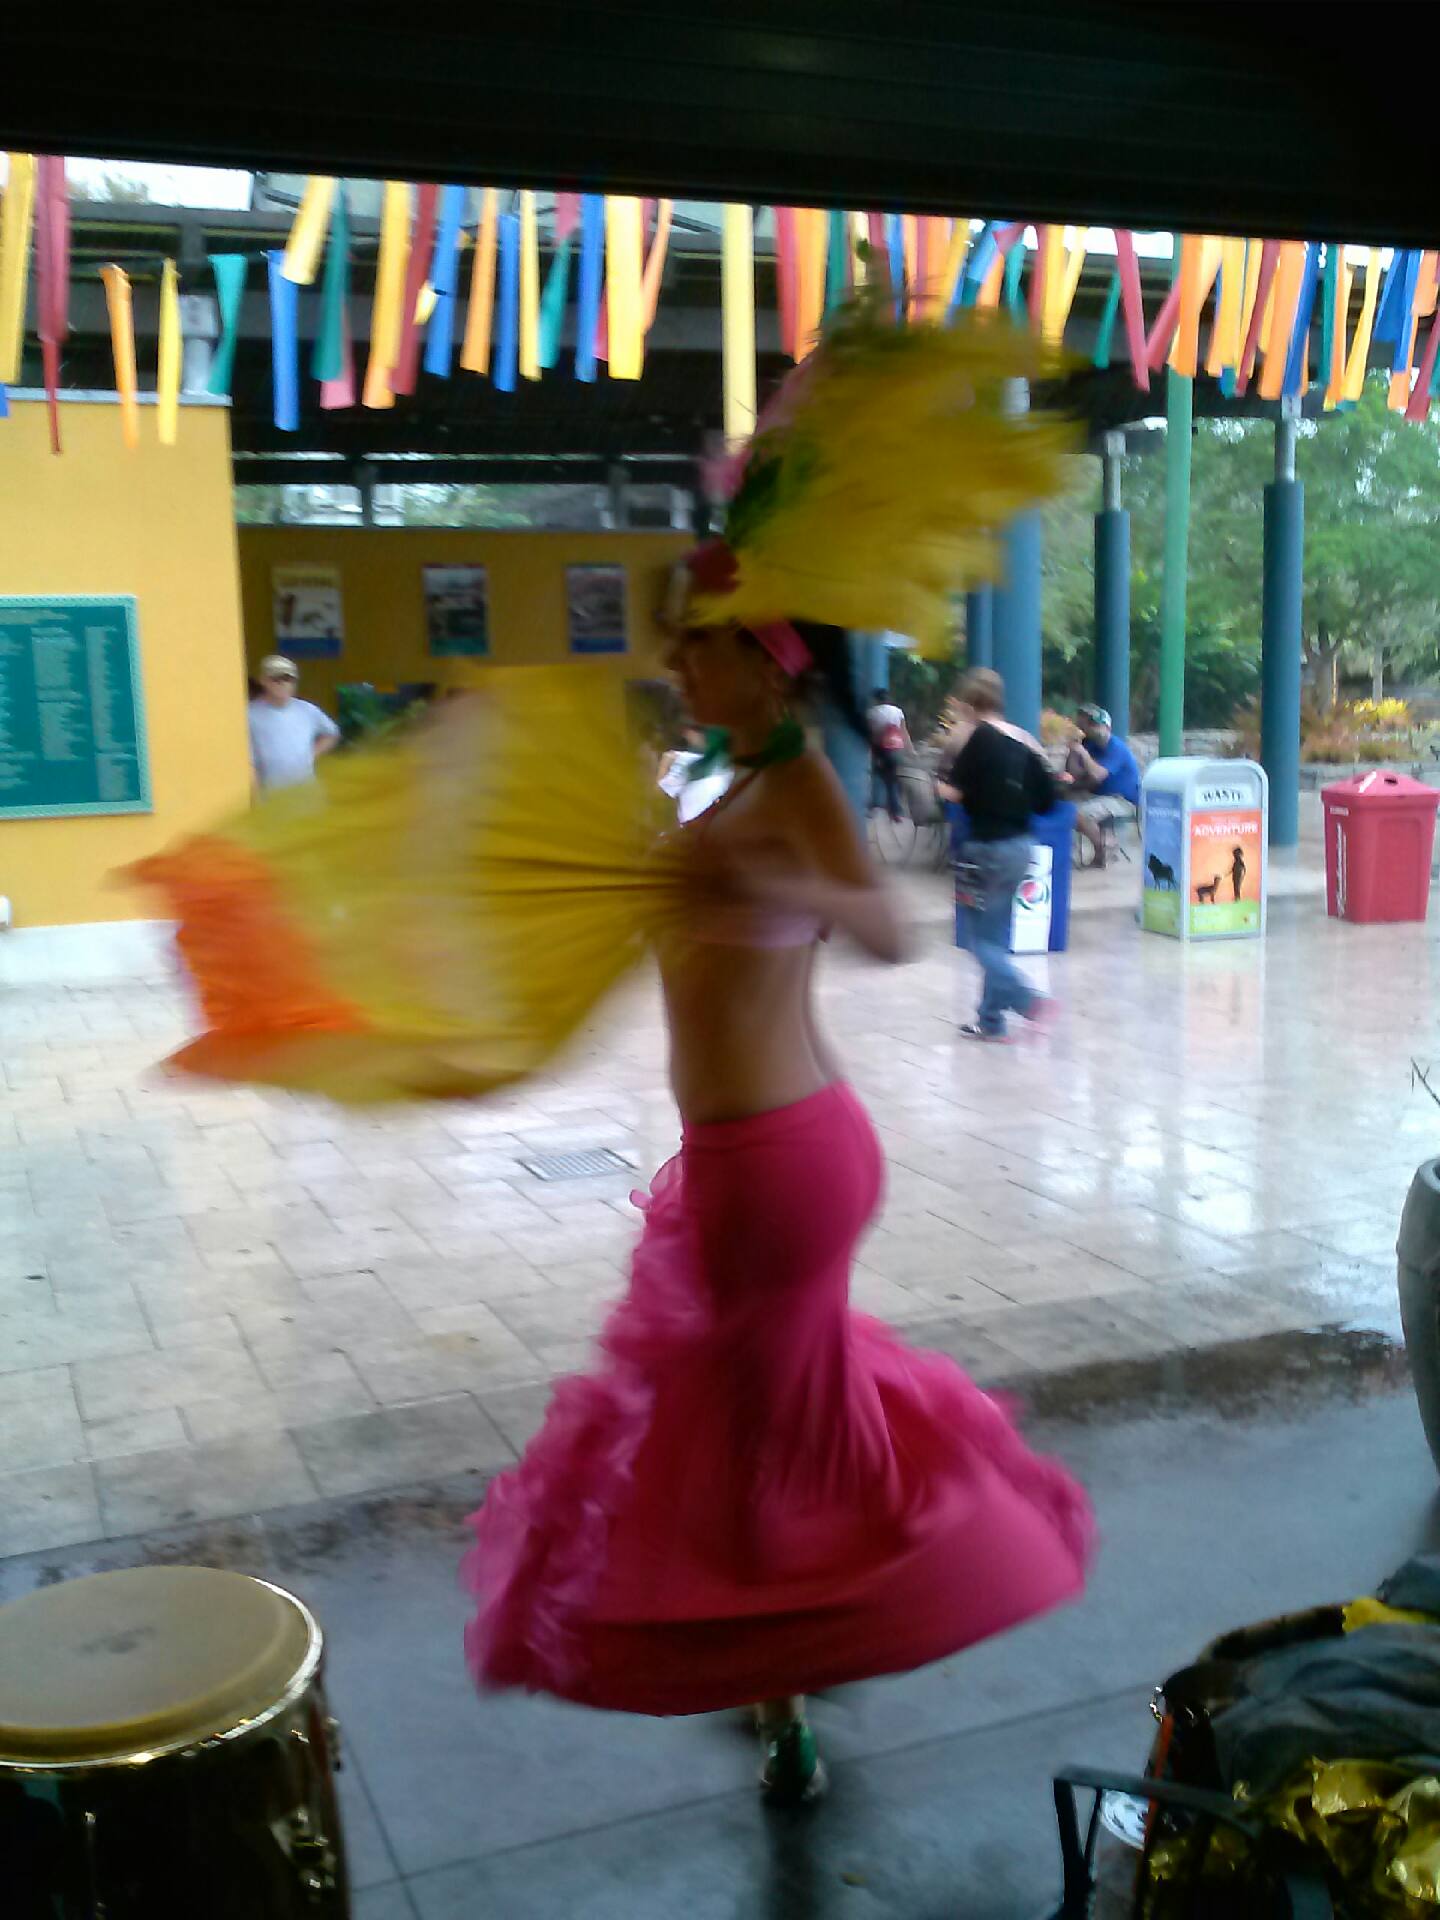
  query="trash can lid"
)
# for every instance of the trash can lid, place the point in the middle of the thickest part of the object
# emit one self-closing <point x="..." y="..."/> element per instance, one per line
<point x="1380" y="787"/>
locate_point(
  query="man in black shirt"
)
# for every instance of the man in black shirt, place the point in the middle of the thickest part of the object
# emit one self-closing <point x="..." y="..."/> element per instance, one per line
<point x="1000" y="779"/>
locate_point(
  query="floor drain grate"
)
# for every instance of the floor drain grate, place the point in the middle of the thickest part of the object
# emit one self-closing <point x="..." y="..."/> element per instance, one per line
<point x="577" y="1166"/>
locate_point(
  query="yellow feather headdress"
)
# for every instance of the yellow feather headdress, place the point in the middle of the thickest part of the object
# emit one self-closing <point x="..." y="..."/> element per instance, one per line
<point x="879" y="477"/>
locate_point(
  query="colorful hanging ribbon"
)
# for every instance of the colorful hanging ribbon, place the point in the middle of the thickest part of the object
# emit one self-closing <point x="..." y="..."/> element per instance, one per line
<point x="655" y="263"/>
<point x="554" y="299"/>
<point x="1105" y="331"/>
<point x="737" y="311"/>
<point x="507" y="317"/>
<point x="1289" y="278"/>
<point x="284" y="345"/>
<point x="623" y="268"/>
<point x="785" y="277"/>
<point x="1259" y="306"/>
<point x="591" y="280"/>
<point x="119" y="306"/>
<point x="444" y="277"/>
<point x="1297" y="359"/>
<point x="16" y="215"/>
<point x="52" y="278"/>
<point x="1364" y="329"/>
<point x="229" y="270"/>
<point x="1127" y="267"/>
<point x="307" y="231"/>
<point x="328" y="360"/>
<point x="838" y="255"/>
<point x="529" y="347"/>
<point x="387" y="306"/>
<point x="475" y="348"/>
<point x="406" y="370"/>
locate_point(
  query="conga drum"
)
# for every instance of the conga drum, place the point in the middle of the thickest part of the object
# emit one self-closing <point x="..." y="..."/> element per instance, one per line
<point x="165" y="1750"/>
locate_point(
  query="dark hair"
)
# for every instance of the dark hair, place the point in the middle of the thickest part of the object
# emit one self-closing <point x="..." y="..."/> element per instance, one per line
<point x="831" y="677"/>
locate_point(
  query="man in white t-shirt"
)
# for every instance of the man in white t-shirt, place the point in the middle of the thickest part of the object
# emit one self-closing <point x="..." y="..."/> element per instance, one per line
<point x="287" y="736"/>
<point x="889" y="738"/>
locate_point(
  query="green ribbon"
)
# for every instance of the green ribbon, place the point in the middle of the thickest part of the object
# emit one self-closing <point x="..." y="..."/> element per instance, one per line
<point x="552" y="302"/>
<point x="229" y="270"/>
<point x="1106" y="331"/>
<point x="837" y="281"/>
<point x="328" y="361"/>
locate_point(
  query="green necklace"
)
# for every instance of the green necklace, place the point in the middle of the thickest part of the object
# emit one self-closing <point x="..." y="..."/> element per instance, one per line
<point x="786" y="742"/>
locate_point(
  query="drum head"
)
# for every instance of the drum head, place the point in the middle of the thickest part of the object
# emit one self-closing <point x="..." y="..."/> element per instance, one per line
<point x="119" y="1664"/>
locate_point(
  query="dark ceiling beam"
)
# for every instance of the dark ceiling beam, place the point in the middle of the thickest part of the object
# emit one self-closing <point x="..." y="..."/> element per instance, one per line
<point x="1210" y="118"/>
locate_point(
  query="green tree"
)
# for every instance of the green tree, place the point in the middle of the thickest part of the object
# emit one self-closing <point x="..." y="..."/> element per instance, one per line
<point x="1372" y="566"/>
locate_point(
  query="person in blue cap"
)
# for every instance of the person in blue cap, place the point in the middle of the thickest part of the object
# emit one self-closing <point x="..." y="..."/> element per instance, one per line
<point x="1104" y="778"/>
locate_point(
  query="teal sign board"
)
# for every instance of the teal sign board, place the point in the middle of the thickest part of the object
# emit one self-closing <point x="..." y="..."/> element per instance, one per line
<point x="72" y="721"/>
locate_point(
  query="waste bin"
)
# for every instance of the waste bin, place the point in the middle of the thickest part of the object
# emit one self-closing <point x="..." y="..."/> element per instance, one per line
<point x="1040" y="913"/>
<point x="1379" y="829"/>
<point x="1419" y="1257"/>
<point x="1203" y="849"/>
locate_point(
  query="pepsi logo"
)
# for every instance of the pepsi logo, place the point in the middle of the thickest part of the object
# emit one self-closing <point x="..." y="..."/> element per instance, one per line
<point x="1033" y="893"/>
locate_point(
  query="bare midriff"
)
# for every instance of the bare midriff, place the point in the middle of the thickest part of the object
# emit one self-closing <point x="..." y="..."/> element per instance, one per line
<point x="742" y="1029"/>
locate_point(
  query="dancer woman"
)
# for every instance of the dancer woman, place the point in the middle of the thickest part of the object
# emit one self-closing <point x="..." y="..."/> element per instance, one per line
<point x="761" y="1493"/>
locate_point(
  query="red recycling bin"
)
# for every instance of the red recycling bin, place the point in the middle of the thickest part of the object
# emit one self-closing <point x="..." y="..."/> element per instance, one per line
<point x="1379" y="831"/>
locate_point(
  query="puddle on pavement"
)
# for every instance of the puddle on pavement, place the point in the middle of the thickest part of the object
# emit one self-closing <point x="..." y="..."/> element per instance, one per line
<point x="1272" y="1373"/>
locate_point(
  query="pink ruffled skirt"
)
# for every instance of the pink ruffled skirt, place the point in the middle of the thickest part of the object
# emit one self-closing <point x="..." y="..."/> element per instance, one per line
<point x="759" y="1492"/>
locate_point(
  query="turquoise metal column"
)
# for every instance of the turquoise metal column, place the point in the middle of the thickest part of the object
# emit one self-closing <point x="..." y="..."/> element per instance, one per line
<point x="1281" y="591"/>
<point x="1112" y="591"/>
<point x="1017" y="622"/>
<point x="980" y="628"/>
<point x="1179" y="413"/>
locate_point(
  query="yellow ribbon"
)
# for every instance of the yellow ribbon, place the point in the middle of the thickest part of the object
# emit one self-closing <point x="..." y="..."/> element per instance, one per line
<point x="15" y="218"/>
<point x="1360" y="345"/>
<point x="122" y="346"/>
<point x="1335" y="372"/>
<point x="1057" y="314"/>
<point x="737" y="321"/>
<point x="623" y="249"/>
<point x="954" y="264"/>
<point x="167" y="377"/>
<point x="475" y="351"/>
<point x="386" y="311"/>
<point x="1226" y="339"/>
<point x="529" y="354"/>
<point x="307" y="231"/>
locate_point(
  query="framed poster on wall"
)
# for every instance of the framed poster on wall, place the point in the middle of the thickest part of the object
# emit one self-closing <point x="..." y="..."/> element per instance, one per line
<point x="595" y="609"/>
<point x="72" y="716"/>
<point x="457" y="611"/>
<point x="309" y="612"/>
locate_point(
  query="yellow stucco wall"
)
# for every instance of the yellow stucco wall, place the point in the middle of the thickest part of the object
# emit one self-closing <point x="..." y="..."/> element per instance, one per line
<point x="158" y="523"/>
<point x="384" y="607"/>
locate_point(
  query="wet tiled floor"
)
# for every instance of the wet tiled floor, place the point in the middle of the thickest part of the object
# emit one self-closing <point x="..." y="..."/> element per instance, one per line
<point x="1250" y="1479"/>
<point x="217" y="1301"/>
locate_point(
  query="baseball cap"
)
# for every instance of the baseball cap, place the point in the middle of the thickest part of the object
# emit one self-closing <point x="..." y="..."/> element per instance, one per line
<point x="275" y="666"/>
<point x="1097" y="716"/>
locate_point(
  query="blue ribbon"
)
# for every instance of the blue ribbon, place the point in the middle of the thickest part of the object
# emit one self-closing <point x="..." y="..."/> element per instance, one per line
<point x="1394" y="305"/>
<point x="507" y="319"/>
<point x="592" y="273"/>
<point x="895" y="239"/>
<point x="440" y="335"/>
<point x="4" y="404"/>
<point x="967" y="286"/>
<point x="1295" y="360"/>
<point x="284" y="345"/>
